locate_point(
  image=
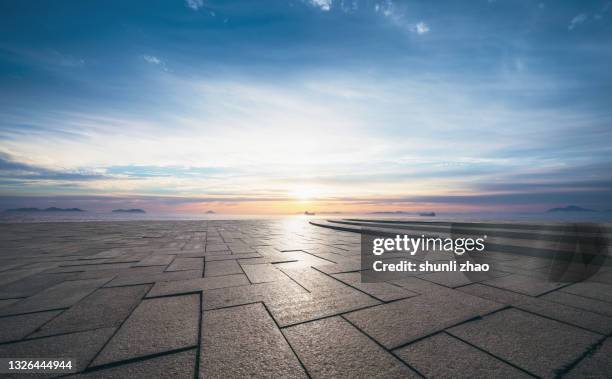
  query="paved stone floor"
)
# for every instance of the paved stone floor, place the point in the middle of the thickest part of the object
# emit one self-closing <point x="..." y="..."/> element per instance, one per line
<point x="283" y="298"/>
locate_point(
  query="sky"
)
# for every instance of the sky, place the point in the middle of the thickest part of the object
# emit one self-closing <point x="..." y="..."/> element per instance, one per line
<point x="320" y="105"/>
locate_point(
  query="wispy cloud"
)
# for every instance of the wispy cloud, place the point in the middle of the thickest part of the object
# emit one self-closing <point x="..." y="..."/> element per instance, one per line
<point x="421" y="28"/>
<point x="151" y="59"/>
<point x="577" y="20"/>
<point x="194" y="4"/>
<point x="324" y="5"/>
<point x="11" y="169"/>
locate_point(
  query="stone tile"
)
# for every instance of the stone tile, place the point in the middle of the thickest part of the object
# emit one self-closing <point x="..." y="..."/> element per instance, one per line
<point x="106" y="266"/>
<point x="155" y="326"/>
<point x="266" y="292"/>
<point x="403" y="321"/>
<point x="593" y="290"/>
<point x="592" y="305"/>
<point x="105" y="307"/>
<point x="311" y="306"/>
<point x="528" y="285"/>
<point x="455" y="279"/>
<point x="245" y="342"/>
<point x="156" y="260"/>
<point x="596" y="365"/>
<point x="7" y="302"/>
<point x="221" y="268"/>
<point x="179" y="365"/>
<point x="132" y="272"/>
<point x="303" y="259"/>
<point x="81" y="346"/>
<point x="62" y="295"/>
<point x="311" y="279"/>
<point x="246" y="256"/>
<point x="216" y="247"/>
<point x="182" y="264"/>
<point x="263" y="273"/>
<point x="537" y="344"/>
<point x="31" y="285"/>
<point x="131" y="280"/>
<point x="381" y="291"/>
<point x="443" y="356"/>
<point x="584" y="319"/>
<point x="15" y="275"/>
<point x="14" y="328"/>
<point x="333" y="348"/>
<point x="197" y="284"/>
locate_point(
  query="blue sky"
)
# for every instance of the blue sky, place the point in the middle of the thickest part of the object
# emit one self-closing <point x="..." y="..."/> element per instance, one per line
<point x="329" y="105"/>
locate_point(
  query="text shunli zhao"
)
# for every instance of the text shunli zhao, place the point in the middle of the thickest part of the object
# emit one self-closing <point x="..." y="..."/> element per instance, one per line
<point x="422" y="244"/>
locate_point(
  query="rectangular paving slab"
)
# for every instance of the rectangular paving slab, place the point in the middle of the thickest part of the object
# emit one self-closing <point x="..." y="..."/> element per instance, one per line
<point x="105" y="307"/>
<point x="178" y="365"/>
<point x="59" y="296"/>
<point x="156" y="326"/>
<point x="597" y="364"/>
<point x="333" y="348"/>
<point x="31" y="285"/>
<point x="13" y="328"/>
<point x="220" y="268"/>
<point x="82" y="346"/>
<point x="130" y="280"/>
<point x="571" y="315"/>
<point x="443" y="356"/>
<point x="244" y="342"/>
<point x="403" y="321"/>
<point x="382" y="291"/>
<point x="539" y="345"/>
<point x="263" y="273"/>
<point x="156" y="260"/>
<point x="197" y="284"/>
<point x="581" y="302"/>
<point x="593" y="290"/>
<point x="182" y="264"/>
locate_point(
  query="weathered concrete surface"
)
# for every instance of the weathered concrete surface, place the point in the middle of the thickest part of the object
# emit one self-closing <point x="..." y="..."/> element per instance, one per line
<point x="283" y="298"/>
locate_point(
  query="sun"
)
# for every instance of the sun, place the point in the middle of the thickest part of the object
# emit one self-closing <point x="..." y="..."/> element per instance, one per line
<point x="304" y="193"/>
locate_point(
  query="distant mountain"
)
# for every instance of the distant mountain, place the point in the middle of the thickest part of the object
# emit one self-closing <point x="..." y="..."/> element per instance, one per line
<point x="50" y="209"/>
<point x="571" y="208"/>
<point x="133" y="210"/>
<point x="210" y="212"/>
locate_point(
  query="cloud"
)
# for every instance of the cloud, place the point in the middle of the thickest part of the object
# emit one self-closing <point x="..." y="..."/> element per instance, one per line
<point x="152" y="59"/>
<point x="421" y="28"/>
<point x="11" y="169"/>
<point x="577" y="20"/>
<point x="194" y="4"/>
<point x="324" y="5"/>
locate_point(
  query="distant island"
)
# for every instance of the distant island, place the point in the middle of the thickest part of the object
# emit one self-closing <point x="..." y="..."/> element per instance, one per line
<point x="427" y="214"/>
<point x="50" y="209"/>
<point x="210" y="212"/>
<point x="309" y="213"/>
<point x="133" y="210"/>
<point x="570" y="208"/>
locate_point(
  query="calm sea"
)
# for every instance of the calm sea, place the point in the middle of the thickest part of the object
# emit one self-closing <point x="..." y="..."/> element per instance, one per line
<point x="100" y="216"/>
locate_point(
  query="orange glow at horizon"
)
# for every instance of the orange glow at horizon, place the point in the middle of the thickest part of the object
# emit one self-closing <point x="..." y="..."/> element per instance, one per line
<point x="289" y="207"/>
